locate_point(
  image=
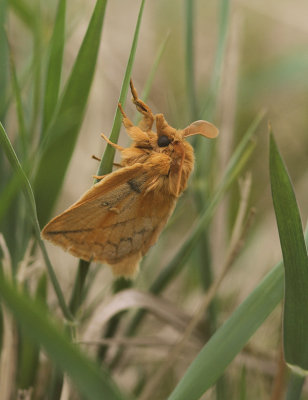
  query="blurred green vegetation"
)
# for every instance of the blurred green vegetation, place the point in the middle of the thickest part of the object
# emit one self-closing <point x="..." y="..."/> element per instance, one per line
<point x="63" y="68"/>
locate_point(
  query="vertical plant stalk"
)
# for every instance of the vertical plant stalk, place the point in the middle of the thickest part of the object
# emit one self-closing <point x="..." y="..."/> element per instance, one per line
<point x="190" y="59"/>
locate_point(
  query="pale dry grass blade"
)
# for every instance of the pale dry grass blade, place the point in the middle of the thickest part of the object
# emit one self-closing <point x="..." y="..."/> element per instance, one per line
<point x="132" y="298"/>
<point x="66" y="389"/>
<point x="149" y="341"/>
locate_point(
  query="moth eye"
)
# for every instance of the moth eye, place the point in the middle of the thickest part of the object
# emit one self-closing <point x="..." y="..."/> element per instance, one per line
<point x="163" y="141"/>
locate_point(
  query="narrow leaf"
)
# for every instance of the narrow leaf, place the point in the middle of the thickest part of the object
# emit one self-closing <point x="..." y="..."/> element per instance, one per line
<point x="295" y="317"/>
<point x="4" y="59"/>
<point x="58" y="146"/>
<point x="54" y="67"/>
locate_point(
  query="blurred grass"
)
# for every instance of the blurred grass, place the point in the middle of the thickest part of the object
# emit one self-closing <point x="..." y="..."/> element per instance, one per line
<point x="37" y="110"/>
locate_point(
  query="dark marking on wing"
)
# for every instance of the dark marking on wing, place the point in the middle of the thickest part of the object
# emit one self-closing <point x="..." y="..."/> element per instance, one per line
<point x="134" y="185"/>
<point x="72" y="231"/>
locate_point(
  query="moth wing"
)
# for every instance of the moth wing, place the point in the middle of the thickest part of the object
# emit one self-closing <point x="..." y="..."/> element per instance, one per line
<point x="112" y="222"/>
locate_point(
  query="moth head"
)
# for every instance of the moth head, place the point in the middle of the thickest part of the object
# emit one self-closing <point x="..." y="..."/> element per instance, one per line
<point x="167" y="135"/>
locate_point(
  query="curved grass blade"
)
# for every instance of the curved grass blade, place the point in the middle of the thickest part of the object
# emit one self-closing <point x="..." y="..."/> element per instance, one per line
<point x="59" y="141"/>
<point x="53" y="77"/>
<point x="22" y="178"/>
<point x="295" y="316"/>
<point x="107" y="160"/>
<point x="93" y="383"/>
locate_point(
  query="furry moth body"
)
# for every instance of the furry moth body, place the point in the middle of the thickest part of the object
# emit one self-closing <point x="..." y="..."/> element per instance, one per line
<point x="121" y="216"/>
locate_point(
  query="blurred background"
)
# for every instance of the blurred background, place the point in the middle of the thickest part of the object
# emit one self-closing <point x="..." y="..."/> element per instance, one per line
<point x="261" y="65"/>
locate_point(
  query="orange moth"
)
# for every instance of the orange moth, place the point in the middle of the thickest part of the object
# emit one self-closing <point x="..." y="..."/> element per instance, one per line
<point x="121" y="216"/>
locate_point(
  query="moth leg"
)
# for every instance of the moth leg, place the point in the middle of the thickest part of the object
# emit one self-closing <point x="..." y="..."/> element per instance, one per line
<point x="99" y="177"/>
<point x="126" y="121"/>
<point x="135" y="132"/>
<point x="116" y="146"/>
<point x="96" y="158"/>
<point x="148" y="118"/>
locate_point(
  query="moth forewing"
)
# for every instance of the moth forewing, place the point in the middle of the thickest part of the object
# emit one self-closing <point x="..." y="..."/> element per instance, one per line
<point x="121" y="217"/>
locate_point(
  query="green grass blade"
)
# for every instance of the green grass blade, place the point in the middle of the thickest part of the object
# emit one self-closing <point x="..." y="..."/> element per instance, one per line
<point x="295" y="386"/>
<point x="4" y="59"/>
<point x="58" y="146"/>
<point x="53" y="77"/>
<point x="228" y="341"/>
<point x="210" y="100"/>
<point x="93" y="383"/>
<point x="107" y="160"/>
<point x="295" y="316"/>
<point x="29" y="351"/>
<point x="22" y="133"/>
<point x="18" y="170"/>
<point x="8" y="193"/>
<point x="189" y="59"/>
<point x="23" y="11"/>
<point x="148" y="84"/>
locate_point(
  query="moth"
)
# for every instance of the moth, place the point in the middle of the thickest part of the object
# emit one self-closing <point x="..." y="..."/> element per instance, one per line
<point x="120" y="217"/>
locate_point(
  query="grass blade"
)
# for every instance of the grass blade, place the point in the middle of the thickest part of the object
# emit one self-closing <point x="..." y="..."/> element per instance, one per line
<point x="209" y="103"/>
<point x="189" y="59"/>
<point x="148" y="84"/>
<point x="4" y="59"/>
<point x="54" y="67"/>
<point x="295" y="317"/>
<point x="23" y="11"/>
<point x="107" y="160"/>
<point x="60" y="139"/>
<point x="91" y="382"/>
<point x="22" y="132"/>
